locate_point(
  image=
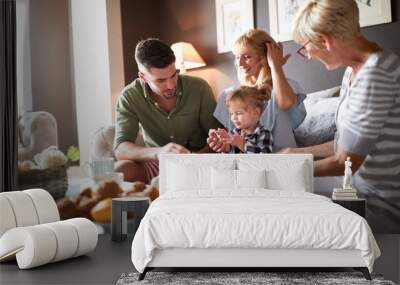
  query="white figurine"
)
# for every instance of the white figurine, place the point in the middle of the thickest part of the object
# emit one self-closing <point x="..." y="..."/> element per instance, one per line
<point x="347" y="184"/>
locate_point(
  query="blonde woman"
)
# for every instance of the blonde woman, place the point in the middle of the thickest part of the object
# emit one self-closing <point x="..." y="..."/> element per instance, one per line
<point x="259" y="62"/>
<point x="368" y="116"/>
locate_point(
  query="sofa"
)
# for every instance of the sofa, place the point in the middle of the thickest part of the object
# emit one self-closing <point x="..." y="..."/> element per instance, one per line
<point x="318" y="126"/>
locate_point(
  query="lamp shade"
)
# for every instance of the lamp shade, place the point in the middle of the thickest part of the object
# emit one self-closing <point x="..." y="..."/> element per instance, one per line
<point x="186" y="56"/>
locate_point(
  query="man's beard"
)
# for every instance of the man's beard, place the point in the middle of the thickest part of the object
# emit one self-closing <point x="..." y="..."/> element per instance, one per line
<point x="170" y="95"/>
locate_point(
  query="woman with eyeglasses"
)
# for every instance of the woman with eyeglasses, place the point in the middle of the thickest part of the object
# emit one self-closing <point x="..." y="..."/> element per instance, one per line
<point x="259" y="62"/>
<point x="368" y="115"/>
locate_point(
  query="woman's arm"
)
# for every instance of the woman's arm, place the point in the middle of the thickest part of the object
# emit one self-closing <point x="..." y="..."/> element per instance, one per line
<point x="334" y="164"/>
<point x="321" y="151"/>
<point x="285" y="97"/>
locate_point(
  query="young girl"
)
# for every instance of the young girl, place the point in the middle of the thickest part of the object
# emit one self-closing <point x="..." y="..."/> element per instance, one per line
<point x="245" y="105"/>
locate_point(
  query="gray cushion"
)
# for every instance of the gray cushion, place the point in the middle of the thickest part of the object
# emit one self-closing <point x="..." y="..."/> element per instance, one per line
<point x="319" y="125"/>
<point x="316" y="130"/>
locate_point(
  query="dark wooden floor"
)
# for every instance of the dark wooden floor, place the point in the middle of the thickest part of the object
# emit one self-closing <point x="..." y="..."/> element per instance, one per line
<point x="109" y="260"/>
<point x="102" y="266"/>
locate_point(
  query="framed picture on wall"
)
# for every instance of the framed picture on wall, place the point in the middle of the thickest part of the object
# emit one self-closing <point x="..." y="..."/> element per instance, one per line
<point x="374" y="12"/>
<point x="234" y="17"/>
<point x="282" y="13"/>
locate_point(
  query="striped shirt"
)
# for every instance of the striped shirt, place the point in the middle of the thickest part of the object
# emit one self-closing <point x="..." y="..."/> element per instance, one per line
<point x="260" y="141"/>
<point x="368" y="121"/>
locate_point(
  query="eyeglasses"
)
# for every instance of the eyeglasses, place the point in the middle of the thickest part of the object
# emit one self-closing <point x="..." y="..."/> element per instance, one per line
<point x="303" y="51"/>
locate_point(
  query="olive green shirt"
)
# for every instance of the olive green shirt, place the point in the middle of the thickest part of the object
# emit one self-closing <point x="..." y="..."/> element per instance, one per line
<point x="187" y="124"/>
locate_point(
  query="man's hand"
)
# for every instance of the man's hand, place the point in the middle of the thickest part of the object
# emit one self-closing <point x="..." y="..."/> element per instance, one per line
<point x="215" y="140"/>
<point x="172" y="148"/>
<point x="222" y="134"/>
<point x="212" y="139"/>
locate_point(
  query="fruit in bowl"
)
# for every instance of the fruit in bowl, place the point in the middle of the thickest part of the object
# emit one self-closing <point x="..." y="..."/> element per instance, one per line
<point x="101" y="212"/>
<point x="95" y="203"/>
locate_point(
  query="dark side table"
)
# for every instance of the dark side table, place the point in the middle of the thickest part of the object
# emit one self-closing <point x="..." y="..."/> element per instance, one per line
<point x="119" y="215"/>
<point x="355" y="205"/>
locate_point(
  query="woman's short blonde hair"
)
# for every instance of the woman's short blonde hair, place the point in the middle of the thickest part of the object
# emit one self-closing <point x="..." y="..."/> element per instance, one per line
<point x="256" y="39"/>
<point x="337" y="18"/>
<point x="251" y="96"/>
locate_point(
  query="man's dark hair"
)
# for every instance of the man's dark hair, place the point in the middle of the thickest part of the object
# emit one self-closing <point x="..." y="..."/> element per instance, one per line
<point x="153" y="53"/>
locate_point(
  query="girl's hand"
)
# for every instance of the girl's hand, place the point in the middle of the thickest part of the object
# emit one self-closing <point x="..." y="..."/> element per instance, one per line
<point x="275" y="55"/>
<point x="236" y="140"/>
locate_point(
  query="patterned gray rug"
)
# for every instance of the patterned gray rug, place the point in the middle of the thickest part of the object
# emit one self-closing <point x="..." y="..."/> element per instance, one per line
<point x="243" y="278"/>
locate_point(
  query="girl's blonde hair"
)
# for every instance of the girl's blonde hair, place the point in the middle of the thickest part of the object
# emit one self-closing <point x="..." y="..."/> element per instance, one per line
<point x="256" y="39"/>
<point x="337" y="18"/>
<point x="251" y="96"/>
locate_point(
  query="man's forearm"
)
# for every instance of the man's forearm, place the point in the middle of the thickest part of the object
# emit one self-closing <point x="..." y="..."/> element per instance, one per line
<point x="131" y="151"/>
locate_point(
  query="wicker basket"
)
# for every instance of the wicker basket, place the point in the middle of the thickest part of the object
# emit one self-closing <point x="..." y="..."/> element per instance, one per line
<point x="53" y="180"/>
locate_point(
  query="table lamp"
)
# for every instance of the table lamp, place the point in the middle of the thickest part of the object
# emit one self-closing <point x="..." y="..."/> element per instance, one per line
<point x="186" y="56"/>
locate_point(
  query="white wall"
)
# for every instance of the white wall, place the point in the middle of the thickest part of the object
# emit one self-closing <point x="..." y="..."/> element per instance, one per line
<point x="24" y="83"/>
<point x="117" y="74"/>
<point x="91" y="69"/>
<point x="50" y="48"/>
